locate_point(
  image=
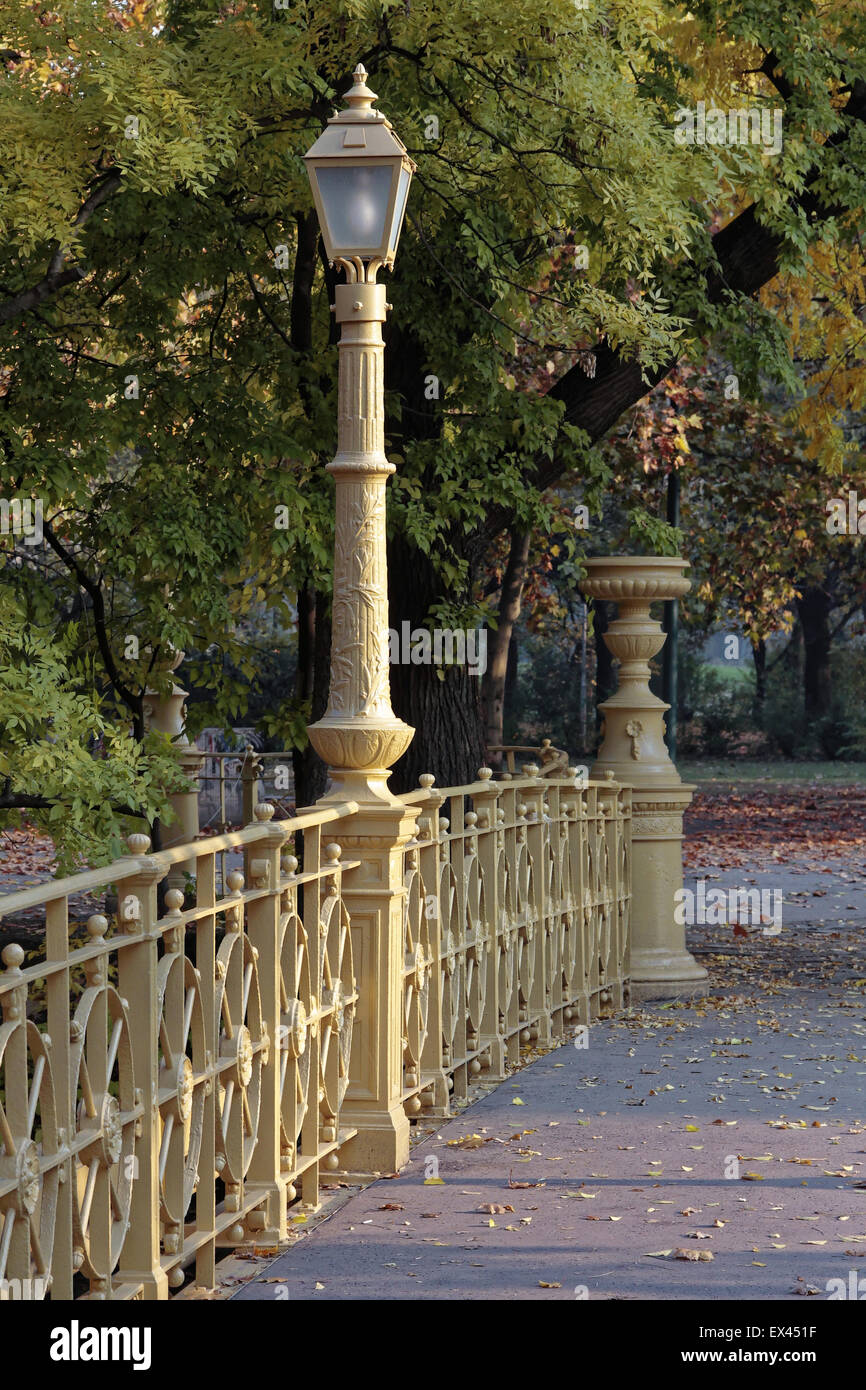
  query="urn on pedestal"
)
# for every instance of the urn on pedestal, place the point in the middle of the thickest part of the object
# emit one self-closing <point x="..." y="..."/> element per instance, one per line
<point x="633" y="751"/>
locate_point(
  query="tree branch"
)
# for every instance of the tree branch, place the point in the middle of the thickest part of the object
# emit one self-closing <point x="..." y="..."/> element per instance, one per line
<point x="93" y="587"/>
<point x="58" y="274"/>
<point x="748" y="256"/>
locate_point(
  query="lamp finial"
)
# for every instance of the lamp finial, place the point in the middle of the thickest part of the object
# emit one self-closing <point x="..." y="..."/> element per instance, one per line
<point x="359" y="96"/>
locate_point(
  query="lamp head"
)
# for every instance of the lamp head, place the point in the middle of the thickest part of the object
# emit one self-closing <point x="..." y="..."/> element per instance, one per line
<point x="360" y="172"/>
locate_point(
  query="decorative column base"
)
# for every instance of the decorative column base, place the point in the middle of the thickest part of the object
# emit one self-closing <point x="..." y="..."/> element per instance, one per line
<point x="167" y="715"/>
<point x="661" y="967"/>
<point x="185" y="826"/>
<point x="359" y="753"/>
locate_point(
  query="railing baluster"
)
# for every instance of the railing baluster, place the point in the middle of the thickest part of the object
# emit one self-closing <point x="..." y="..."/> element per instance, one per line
<point x="205" y="958"/>
<point x="137" y="984"/>
<point x="57" y="998"/>
<point x="264" y="1175"/>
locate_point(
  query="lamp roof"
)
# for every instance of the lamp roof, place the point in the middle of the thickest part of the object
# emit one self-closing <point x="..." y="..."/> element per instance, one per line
<point x="358" y="130"/>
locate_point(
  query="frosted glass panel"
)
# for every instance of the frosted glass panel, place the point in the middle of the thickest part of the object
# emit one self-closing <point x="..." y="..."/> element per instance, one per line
<point x="356" y="201"/>
<point x="399" y="209"/>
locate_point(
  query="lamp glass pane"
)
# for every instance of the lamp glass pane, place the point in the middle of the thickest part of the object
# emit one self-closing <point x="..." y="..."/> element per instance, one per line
<point x="399" y="208"/>
<point x="355" y="202"/>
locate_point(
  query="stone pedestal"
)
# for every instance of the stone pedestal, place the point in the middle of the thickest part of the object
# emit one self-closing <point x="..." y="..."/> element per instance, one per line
<point x="633" y="750"/>
<point x="167" y="714"/>
<point x="374" y="895"/>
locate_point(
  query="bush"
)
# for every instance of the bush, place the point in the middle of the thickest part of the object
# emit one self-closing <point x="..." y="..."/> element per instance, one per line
<point x="545" y="702"/>
<point x="784" y="722"/>
<point x="841" y="733"/>
<point x="715" y="707"/>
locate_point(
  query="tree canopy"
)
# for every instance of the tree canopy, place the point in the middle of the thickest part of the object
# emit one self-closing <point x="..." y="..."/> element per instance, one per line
<point x="168" y="359"/>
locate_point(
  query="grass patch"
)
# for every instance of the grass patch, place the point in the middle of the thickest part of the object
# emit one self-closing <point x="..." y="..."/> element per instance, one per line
<point x="719" y="770"/>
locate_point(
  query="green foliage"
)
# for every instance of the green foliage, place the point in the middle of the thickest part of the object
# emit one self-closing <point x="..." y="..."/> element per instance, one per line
<point x="715" y="707"/>
<point x="82" y="774"/>
<point x="167" y="367"/>
<point x="841" y="732"/>
<point x="546" y="700"/>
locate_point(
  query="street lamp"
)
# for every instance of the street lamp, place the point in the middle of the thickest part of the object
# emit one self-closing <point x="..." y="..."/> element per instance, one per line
<point x="360" y="174"/>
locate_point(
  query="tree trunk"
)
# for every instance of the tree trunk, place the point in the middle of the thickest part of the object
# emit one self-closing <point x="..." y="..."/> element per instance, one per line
<point x="499" y="642"/>
<point x="814" y="608"/>
<point x="510" y="683"/>
<point x="314" y="669"/>
<point x="445" y="713"/>
<point x="759" y="656"/>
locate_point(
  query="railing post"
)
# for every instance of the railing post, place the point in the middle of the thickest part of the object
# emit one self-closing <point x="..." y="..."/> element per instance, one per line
<point x="267" y="1223"/>
<point x="137" y="984"/>
<point x="374" y="896"/>
<point x="539" y="1015"/>
<point x="490" y="848"/>
<point x="434" y="1077"/>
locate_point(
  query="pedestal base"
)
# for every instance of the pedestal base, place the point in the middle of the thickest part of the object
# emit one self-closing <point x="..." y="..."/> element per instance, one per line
<point x="661" y="967"/>
<point x="381" y="1144"/>
<point x="661" y="973"/>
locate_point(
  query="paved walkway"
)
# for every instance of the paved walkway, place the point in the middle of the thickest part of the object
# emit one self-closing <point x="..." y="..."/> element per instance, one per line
<point x="733" y="1127"/>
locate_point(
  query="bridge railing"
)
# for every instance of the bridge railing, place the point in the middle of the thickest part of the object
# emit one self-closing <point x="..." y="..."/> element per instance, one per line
<point x="187" y="1076"/>
<point x="515" y="923"/>
<point x="170" y="1084"/>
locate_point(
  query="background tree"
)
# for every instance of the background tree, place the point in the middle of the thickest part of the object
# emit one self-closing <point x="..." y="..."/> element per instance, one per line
<point x="158" y="236"/>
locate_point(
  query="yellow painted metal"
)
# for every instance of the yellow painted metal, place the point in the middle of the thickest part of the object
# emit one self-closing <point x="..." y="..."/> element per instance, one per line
<point x="526" y="886"/>
<point x="173" y="1086"/>
<point x="170" y="1084"/>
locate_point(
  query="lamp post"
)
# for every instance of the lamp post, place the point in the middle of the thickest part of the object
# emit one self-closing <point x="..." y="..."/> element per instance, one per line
<point x="360" y="175"/>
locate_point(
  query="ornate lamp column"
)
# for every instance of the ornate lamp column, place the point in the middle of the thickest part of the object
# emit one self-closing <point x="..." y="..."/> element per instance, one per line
<point x="633" y="750"/>
<point x="360" y="173"/>
<point x="360" y="737"/>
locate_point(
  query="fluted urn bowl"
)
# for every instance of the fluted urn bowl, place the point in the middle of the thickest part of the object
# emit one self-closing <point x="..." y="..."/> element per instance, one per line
<point x="630" y="578"/>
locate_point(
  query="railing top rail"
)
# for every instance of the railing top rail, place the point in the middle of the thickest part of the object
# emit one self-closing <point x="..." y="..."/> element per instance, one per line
<point x="310" y="815"/>
<point x="121" y="869"/>
<point x="515" y="782"/>
<point x="55" y="888"/>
